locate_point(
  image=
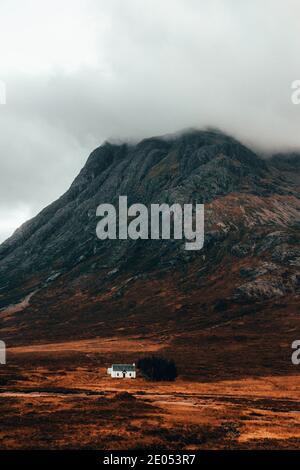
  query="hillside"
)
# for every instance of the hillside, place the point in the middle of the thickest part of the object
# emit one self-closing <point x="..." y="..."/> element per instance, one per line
<point x="59" y="282"/>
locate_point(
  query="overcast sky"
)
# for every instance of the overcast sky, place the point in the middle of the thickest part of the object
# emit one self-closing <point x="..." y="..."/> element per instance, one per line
<point x="80" y="72"/>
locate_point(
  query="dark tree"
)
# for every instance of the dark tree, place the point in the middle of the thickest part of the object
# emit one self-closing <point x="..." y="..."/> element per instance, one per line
<point x="157" y="368"/>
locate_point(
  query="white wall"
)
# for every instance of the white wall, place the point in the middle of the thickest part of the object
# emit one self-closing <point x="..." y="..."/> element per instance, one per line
<point x="119" y="375"/>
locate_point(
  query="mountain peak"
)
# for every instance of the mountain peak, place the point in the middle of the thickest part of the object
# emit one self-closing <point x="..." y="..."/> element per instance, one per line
<point x="203" y="166"/>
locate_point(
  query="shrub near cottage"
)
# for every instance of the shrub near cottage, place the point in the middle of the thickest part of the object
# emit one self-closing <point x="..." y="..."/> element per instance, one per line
<point x="157" y="368"/>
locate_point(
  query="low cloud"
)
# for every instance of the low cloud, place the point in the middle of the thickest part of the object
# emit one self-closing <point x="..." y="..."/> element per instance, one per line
<point x="131" y="69"/>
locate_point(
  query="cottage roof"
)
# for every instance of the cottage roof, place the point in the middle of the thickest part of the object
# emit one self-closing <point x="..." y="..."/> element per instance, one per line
<point x="122" y="367"/>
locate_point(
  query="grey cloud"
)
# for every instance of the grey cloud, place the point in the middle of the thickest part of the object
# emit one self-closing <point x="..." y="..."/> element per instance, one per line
<point x="154" y="67"/>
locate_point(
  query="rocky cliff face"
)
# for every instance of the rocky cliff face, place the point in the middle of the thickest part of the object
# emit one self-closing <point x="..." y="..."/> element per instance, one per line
<point x="79" y="285"/>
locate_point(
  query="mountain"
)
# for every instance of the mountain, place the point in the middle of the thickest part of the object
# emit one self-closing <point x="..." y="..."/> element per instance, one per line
<point x="59" y="281"/>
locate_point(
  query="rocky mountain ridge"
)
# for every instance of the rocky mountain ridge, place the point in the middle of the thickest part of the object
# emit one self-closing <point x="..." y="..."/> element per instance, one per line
<point x="251" y="233"/>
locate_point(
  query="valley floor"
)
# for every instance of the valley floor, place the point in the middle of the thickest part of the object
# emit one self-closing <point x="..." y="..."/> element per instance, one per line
<point x="58" y="396"/>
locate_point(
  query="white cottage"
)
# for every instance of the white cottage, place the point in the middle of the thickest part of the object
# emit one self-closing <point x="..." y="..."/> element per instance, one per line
<point x="120" y="371"/>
